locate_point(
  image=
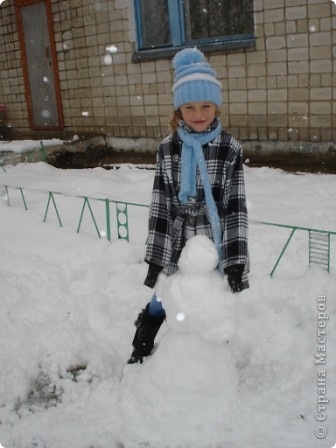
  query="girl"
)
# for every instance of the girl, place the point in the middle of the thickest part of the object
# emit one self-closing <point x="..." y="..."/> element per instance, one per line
<point x="198" y="189"/>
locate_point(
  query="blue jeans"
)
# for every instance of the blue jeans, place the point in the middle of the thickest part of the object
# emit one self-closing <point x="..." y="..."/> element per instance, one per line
<point x="155" y="307"/>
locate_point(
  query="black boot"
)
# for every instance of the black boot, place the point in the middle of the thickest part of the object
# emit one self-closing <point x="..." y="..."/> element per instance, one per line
<point x="147" y="328"/>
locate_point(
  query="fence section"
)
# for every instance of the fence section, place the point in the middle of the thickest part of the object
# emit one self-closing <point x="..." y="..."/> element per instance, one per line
<point x="318" y="244"/>
<point x="319" y="247"/>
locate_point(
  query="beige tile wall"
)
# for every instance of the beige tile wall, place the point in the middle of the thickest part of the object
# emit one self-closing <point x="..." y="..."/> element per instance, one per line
<point x="12" y="91"/>
<point x="285" y="89"/>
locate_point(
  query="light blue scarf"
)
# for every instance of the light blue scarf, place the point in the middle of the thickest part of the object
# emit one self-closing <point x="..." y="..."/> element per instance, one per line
<point x="192" y="157"/>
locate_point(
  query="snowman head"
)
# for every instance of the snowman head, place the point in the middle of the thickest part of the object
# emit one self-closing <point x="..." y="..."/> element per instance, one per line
<point x="199" y="256"/>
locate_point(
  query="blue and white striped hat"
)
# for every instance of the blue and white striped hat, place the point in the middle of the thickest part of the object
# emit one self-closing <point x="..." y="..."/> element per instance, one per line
<point x="195" y="80"/>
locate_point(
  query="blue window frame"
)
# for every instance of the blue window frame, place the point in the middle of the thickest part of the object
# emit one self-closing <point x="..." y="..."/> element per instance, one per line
<point x="164" y="26"/>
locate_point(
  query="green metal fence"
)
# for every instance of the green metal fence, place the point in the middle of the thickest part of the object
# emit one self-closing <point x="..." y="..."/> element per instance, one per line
<point x="319" y="248"/>
<point x="121" y="210"/>
<point x="318" y="244"/>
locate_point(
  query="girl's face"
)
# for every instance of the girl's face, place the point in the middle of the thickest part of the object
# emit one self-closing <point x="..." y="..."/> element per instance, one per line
<point x="198" y="115"/>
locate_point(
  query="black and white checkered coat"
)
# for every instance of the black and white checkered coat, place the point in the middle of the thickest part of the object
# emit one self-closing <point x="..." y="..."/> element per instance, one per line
<point x="171" y="223"/>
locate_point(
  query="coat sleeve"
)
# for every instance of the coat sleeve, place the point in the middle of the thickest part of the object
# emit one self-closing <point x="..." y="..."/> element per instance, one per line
<point x="235" y="233"/>
<point x="159" y="225"/>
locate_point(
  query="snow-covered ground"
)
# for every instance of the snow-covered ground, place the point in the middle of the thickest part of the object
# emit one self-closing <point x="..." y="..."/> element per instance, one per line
<point x="20" y="146"/>
<point x="68" y="303"/>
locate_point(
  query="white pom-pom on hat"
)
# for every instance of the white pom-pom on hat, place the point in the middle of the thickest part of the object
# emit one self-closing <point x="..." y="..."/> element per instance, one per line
<point x="187" y="56"/>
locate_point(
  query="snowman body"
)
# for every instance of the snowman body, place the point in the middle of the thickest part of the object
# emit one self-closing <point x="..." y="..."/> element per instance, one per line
<point x="201" y="319"/>
<point x="193" y="367"/>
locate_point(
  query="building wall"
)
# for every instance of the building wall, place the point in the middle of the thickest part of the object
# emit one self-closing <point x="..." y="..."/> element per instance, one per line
<point x="12" y="92"/>
<point x="284" y="89"/>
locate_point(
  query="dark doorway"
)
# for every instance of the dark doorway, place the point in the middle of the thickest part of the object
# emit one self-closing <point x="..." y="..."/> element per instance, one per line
<point x="39" y="64"/>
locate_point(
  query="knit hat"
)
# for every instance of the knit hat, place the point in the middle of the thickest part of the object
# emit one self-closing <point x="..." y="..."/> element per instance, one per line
<point x="195" y="80"/>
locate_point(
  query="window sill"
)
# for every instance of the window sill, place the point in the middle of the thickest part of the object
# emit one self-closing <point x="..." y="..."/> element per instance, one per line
<point x="243" y="42"/>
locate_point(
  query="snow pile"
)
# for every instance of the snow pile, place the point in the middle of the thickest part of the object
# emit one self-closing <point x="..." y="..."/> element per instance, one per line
<point x="68" y="303"/>
<point x="19" y="146"/>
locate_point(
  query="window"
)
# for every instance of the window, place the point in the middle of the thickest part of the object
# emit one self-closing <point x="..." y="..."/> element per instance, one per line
<point x="164" y="26"/>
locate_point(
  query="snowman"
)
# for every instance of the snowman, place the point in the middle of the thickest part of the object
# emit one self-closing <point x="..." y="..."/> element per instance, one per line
<point x="190" y="382"/>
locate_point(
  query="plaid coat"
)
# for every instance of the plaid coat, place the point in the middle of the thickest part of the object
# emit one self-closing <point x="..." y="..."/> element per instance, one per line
<point x="171" y="222"/>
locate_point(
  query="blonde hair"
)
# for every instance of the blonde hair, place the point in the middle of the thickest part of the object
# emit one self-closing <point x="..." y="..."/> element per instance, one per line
<point x="175" y="120"/>
<point x="177" y="117"/>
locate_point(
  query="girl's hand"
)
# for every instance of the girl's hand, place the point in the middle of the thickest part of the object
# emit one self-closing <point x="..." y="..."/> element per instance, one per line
<point x="152" y="275"/>
<point x="234" y="275"/>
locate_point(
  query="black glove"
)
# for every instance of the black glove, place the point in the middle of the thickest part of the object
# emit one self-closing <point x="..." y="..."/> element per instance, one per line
<point x="152" y="275"/>
<point x="234" y="274"/>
